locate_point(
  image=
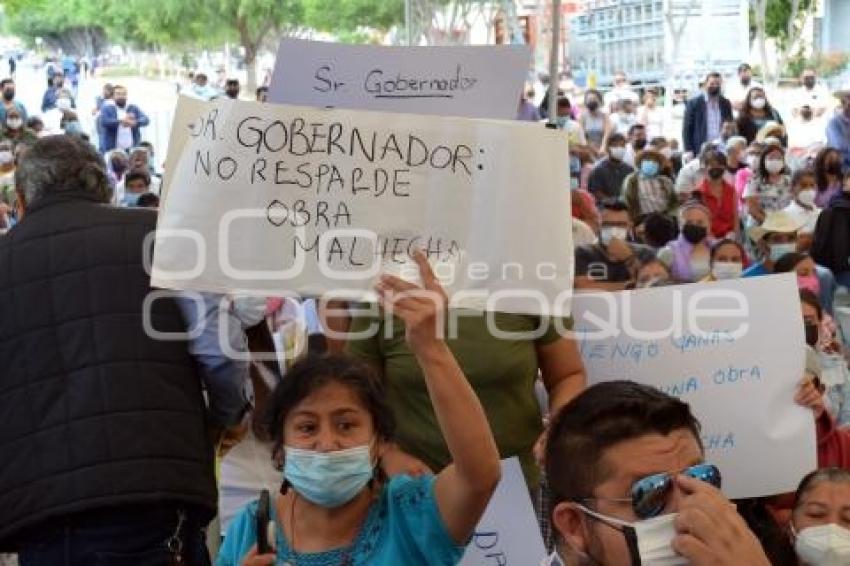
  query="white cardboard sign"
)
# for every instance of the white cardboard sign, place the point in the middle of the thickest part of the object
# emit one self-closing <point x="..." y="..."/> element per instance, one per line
<point x="270" y="200"/>
<point x="470" y="81"/>
<point x="733" y="350"/>
<point x="508" y="533"/>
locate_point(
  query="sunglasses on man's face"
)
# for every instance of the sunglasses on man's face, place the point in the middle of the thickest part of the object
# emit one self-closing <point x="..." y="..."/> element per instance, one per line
<point x="650" y="494"/>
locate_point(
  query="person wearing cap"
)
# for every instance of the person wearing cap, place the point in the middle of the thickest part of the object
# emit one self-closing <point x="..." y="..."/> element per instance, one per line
<point x="774" y="238"/>
<point x="646" y="190"/>
<point x="689" y="256"/>
<point x="838" y="128"/>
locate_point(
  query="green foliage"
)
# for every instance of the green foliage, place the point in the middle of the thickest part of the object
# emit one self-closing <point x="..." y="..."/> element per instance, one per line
<point x="778" y="14"/>
<point x="824" y="64"/>
<point x="345" y="16"/>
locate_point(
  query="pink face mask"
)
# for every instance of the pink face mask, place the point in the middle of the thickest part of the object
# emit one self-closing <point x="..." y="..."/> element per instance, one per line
<point x="809" y="282"/>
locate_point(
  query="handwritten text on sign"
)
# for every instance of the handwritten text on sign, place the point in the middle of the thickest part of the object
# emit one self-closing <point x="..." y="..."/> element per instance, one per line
<point x="508" y="533"/>
<point x="471" y="81"/>
<point x="274" y="199"/>
<point x="733" y="350"/>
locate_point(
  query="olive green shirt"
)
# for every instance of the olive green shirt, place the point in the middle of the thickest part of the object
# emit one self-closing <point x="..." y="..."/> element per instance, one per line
<point x="501" y="371"/>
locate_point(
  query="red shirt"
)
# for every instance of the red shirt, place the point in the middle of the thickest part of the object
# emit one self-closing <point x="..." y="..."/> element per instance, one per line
<point x="833" y="444"/>
<point x="722" y="209"/>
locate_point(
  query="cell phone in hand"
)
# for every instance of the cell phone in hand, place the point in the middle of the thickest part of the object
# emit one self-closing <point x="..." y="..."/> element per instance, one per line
<point x="265" y="529"/>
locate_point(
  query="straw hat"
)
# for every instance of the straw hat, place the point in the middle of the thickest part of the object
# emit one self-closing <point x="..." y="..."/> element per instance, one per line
<point x="771" y="129"/>
<point x="777" y="221"/>
<point x="842" y="91"/>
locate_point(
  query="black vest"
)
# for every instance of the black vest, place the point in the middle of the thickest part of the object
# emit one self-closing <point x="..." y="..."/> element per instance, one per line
<point x="93" y="412"/>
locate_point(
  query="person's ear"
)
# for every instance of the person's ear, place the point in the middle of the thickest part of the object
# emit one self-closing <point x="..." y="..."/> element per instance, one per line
<point x="568" y="521"/>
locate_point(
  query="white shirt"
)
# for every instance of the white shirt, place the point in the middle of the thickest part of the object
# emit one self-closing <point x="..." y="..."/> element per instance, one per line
<point x="245" y="471"/>
<point x="736" y="92"/>
<point x="620" y="93"/>
<point x="583" y="235"/>
<point x="806" y="134"/>
<point x="818" y="97"/>
<point x="808" y="219"/>
<point x="124" y="139"/>
<point x="690" y="176"/>
<point x="622" y="122"/>
<point x="653" y="119"/>
<point x="52" y="122"/>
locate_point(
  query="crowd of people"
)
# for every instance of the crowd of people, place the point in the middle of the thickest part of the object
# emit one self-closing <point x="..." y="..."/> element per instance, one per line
<point x="384" y="447"/>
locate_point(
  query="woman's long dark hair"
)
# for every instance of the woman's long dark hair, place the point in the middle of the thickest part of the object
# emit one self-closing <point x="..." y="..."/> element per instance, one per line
<point x="820" y="167"/>
<point x="311" y="374"/>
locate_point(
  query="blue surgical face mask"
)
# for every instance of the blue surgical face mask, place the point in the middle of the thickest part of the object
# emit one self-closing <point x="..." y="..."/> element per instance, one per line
<point x="130" y="199"/>
<point x="328" y="479"/>
<point x="648" y="168"/>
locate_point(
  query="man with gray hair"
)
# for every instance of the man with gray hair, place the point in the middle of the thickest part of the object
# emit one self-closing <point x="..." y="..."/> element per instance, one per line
<point x="107" y="444"/>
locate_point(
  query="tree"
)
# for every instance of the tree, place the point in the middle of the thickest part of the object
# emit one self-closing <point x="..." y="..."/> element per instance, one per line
<point x="211" y="22"/>
<point x="346" y="16"/>
<point x="784" y="22"/>
<point x="676" y="18"/>
<point x="441" y="22"/>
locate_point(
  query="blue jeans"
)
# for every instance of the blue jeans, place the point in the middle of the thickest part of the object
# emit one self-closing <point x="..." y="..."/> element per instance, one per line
<point x="138" y="536"/>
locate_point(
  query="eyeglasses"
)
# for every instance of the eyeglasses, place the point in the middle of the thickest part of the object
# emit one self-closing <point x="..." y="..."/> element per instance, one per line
<point x="650" y="494"/>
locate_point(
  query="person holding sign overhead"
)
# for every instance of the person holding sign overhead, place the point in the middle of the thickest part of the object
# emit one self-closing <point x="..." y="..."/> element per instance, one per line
<point x="329" y="416"/>
<point x="501" y="369"/>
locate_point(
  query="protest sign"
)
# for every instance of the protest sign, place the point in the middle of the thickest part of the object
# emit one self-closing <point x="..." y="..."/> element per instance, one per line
<point x="733" y="350"/>
<point x="470" y="81"/>
<point x="270" y="200"/>
<point x="508" y="533"/>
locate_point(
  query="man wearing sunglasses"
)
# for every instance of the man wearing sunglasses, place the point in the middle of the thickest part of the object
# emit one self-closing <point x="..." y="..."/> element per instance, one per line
<point x="629" y="485"/>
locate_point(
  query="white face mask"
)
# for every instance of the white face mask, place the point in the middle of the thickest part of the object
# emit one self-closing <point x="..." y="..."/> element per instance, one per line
<point x="14" y="123"/>
<point x="759" y="103"/>
<point x="608" y="233"/>
<point x="618" y="153"/>
<point x="654" y="538"/>
<point x="807" y="197"/>
<point x="723" y="270"/>
<point x="63" y="103"/>
<point x="6" y="157"/>
<point x="779" y="250"/>
<point x="824" y="545"/>
<point x="774" y="165"/>
<point x="700" y="267"/>
<point x="249" y="310"/>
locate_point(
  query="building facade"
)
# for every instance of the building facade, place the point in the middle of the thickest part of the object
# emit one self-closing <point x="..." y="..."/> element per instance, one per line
<point x="670" y="42"/>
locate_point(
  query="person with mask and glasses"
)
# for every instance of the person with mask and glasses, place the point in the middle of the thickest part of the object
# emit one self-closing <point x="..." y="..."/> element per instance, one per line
<point x="332" y="423"/>
<point x="630" y="485"/>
